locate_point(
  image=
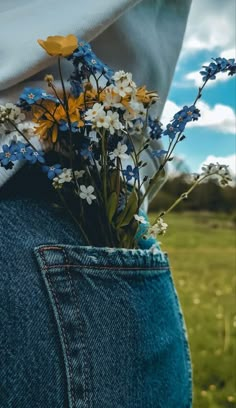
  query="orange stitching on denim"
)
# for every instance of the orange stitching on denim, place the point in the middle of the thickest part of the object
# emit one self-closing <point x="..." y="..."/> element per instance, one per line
<point x="49" y="247"/>
<point x="62" y="324"/>
<point x="64" y="338"/>
<point x="121" y="268"/>
<point x="82" y="333"/>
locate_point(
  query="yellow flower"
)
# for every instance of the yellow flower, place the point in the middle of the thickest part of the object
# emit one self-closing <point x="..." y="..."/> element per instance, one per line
<point x="49" y="116"/>
<point x="145" y="96"/>
<point x="58" y="45"/>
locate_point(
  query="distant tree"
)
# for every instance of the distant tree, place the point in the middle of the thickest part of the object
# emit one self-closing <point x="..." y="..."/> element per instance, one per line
<point x="207" y="196"/>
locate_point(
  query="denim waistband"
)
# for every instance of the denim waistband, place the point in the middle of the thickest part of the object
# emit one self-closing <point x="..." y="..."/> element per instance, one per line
<point x="101" y="258"/>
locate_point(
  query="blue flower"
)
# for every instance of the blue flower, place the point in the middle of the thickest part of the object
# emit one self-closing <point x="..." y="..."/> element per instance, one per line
<point x="87" y="152"/>
<point x="7" y="155"/>
<point x="222" y="63"/>
<point x="63" y="126"/>
<point x="159" y="153"/>
<point x="96" y="65"/>
<point x="83" y="49"/>
<point x="20" y="150"/>
<point x="34" y="156"/>
<point x="185" y="115"/>
<point x="171" y="131"/>
<point x="84" y="55"/>
<point x="155" y="128"/>
<point x="52" y="171"/>
<point x="76" y="88"/>
<point x="219" y="65"/>
<point x="130" y="173"/>
<point x="232" y="67"/>
<point x="32" y="95"/>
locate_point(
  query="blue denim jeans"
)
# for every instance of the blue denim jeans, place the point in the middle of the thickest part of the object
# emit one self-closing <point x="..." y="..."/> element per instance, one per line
<point x="84" y="327"/>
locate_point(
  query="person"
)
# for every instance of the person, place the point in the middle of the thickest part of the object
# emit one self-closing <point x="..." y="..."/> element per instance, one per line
<point x="84" y="326"/>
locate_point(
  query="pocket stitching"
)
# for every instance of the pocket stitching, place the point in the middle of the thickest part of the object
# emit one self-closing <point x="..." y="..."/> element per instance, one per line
<point x="64" y="338"/>
<point x="57" y="304"/>
<point x="185" y="343"/>
<point x="123" y="268"/>
<point x="83" y="349"/>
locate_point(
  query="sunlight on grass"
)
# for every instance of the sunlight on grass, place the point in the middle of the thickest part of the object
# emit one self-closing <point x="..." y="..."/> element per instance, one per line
<point x="201" y="248"/>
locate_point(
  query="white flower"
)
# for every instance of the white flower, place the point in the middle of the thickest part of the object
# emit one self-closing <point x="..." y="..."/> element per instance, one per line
<point x="137" y="128"/>
<point x="159" y="228"/>
<point x="123" y="88"/>
<point x="55" y="183"/>
<point x="79" y="173"/>
<point x="111" y="98"/>
<point x="92" y="113"/>
<point x="27" y="128"/>
<point x="216" y="169"/>
<point x="138" y="112"/>
<point x="119" y="151"/>
<point x="65" y="177"/>
<point x="211" y="168"/>
<point x="119" y="75"/>
<point x="114" y="123"/>
<point x="12" y="113"/>
<point x="123" y="83"/>
<point x="141" y="219"/>
<point x="138" y="109"/>
<point x="86" y="193"/>
<point x="101" y="120"/>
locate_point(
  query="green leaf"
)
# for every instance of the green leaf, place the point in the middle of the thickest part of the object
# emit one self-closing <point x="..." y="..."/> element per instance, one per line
<point x="130" y="209"/>
<point x="115" y="181"/>
<point x="112" y="206"/>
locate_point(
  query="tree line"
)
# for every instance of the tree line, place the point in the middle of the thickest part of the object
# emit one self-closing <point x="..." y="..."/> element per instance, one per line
<point x="207" y="196"/>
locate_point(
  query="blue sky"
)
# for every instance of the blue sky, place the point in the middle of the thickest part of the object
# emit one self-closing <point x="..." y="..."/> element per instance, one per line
<point x="210" y="33"/>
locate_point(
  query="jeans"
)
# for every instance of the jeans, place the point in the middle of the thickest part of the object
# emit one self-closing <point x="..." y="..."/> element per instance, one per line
<point x="84" y="327"/>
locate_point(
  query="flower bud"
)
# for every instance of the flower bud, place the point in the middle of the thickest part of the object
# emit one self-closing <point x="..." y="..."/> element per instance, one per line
<point x="49" y="78"/>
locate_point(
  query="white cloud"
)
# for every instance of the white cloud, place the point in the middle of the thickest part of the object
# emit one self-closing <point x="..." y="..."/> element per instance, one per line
<point x="219" y="117"/>
<point x="211" y="26"/>
<point x="228" y="160"/>
<point x="229" y="53"/>
<point x="196" y="78"/>
<point x="169" y="110"/>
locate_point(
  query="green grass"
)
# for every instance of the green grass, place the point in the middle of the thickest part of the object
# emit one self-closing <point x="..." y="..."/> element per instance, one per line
<point x="201" y="248"/>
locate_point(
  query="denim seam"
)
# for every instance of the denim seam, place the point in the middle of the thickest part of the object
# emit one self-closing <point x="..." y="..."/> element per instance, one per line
<point x="121" y="268"/>
<point x="62" y="330"/>
<point x="82" y="340"/>
<point x="64" y="339"/>
<point x="186" y="345"/>
<point x="83" y="348"/>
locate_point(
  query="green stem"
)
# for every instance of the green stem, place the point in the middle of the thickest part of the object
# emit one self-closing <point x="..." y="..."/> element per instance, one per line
<point x="181" y="198"/>
<point x="66" y="108"/>
<point x="136" y="162"/>
<point x="170" y="149"/>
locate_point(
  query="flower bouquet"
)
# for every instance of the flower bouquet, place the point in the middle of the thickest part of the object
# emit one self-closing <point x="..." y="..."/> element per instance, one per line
<point x="93" y="140"/>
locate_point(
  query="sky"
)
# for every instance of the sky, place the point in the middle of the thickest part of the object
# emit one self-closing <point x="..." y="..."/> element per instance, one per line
<point x="210" y="33"/>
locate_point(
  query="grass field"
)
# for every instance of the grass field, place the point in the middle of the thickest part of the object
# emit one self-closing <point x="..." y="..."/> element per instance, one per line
<point x="201" y="249"/>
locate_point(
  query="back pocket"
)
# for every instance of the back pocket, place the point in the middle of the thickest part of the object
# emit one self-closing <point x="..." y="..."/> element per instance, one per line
<point x="120" y="325"/>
